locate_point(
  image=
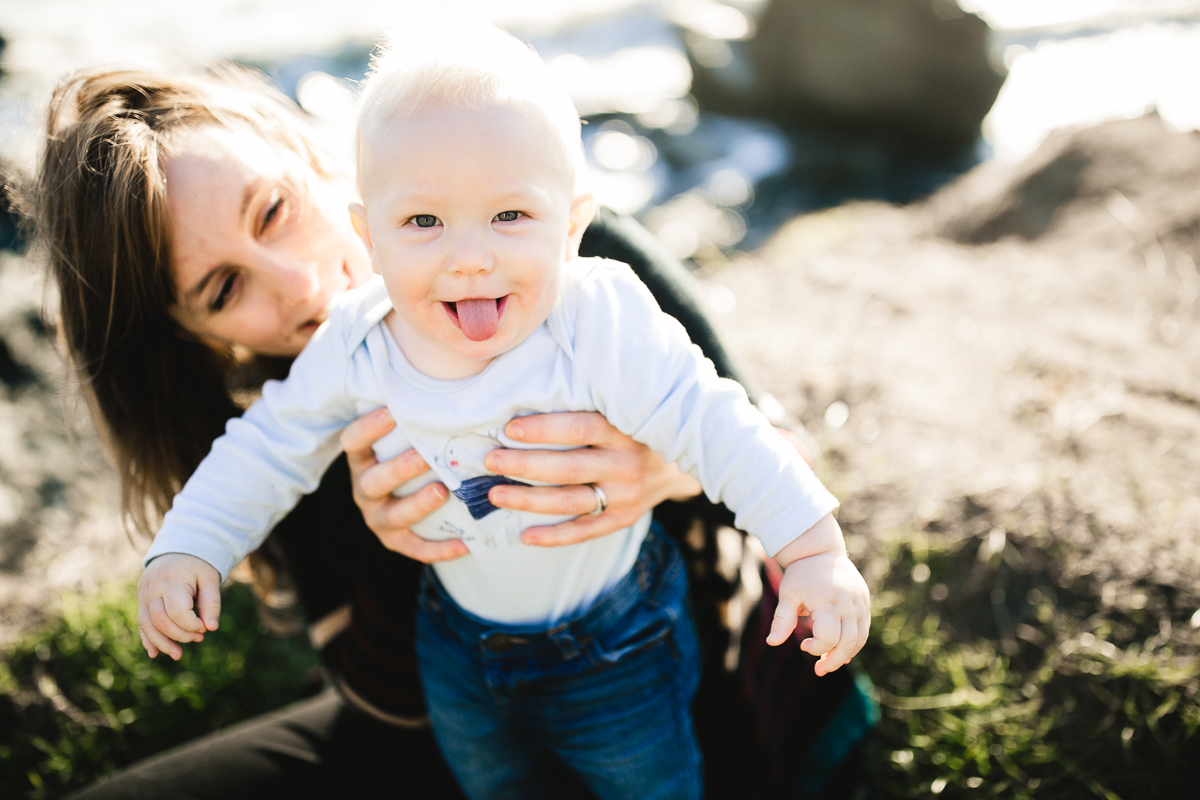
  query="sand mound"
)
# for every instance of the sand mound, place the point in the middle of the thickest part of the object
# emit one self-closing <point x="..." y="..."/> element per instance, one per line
<point x="1073" y="173"/>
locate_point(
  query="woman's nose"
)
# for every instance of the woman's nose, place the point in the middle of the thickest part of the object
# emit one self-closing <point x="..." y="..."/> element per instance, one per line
<point x="293" y="280"/>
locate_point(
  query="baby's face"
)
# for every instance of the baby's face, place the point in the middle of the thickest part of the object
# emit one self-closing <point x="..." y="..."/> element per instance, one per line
<point x="469" y="215"/>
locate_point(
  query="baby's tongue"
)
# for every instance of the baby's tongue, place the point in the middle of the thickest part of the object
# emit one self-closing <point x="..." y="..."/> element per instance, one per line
<point x="479" y="319"/>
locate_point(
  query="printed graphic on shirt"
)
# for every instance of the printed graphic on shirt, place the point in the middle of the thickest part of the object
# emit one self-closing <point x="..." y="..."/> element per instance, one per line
<point x="474" y="492"/>
<point x="463" y="458"/>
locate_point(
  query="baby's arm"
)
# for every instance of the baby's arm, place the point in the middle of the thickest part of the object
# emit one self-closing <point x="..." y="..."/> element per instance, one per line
<point x="821" y="582"/>
<point x="252" y="477"/>
<point x="170" y="587"/>
<point x="679" y="407"/>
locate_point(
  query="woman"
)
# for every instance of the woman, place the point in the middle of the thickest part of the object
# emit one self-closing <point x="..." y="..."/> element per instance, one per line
<point x="190" y="269"/>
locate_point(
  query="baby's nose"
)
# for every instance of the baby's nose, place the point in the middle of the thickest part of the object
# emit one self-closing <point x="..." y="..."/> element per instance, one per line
<point x="470" y="256"/>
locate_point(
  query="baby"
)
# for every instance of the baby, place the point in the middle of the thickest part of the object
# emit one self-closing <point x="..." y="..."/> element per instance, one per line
<point x="469" y="165"/>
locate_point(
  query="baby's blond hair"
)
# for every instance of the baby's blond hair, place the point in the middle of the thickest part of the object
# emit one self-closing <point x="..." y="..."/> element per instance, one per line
<point x="464" y="65"/>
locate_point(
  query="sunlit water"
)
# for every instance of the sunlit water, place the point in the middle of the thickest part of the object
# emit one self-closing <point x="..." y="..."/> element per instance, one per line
<point x="692" y="177"/>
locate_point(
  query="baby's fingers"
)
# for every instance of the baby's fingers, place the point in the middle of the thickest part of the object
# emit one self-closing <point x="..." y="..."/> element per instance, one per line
<point x="826" y="633"/>
<point x="208" y="602"/>
<point x="151" y="650"/>
<point x="787" y="611"/>
<point x="179" y="602"/>
<point x="864" y="630"/>
<point x="154" y="640"/>
<point x="834" y="639"/>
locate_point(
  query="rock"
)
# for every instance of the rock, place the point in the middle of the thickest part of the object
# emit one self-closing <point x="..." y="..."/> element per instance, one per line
<point x="1147" y="175"/>
<point x="917" y="70"/>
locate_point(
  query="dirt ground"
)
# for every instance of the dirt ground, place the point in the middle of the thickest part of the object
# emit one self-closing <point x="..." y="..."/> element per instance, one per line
<point x="58" y="499"/>
<point x="1025" y="342"/>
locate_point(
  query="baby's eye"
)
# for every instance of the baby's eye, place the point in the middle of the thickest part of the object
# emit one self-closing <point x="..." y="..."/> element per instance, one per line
<point x="424" y="220"/>
<point x="507" y="216"/>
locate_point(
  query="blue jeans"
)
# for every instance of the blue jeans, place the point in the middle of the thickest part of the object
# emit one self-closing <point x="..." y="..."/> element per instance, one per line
<point x="608" y="693"/>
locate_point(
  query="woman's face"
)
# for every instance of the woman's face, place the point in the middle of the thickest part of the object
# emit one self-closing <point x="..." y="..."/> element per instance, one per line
<point x="260" y="243"/>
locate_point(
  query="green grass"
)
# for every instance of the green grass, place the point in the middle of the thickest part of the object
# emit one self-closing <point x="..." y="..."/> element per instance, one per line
<point x="79" y="697"/>
<point x="996" y="680"/>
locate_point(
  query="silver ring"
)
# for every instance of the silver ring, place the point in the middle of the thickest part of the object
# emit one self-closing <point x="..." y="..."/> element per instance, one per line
<point x="601" y="501"/>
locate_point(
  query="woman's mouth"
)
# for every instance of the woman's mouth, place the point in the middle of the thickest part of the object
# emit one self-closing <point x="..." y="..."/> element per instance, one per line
<point x="315" y="320"/>
<point x="478" y="318"/>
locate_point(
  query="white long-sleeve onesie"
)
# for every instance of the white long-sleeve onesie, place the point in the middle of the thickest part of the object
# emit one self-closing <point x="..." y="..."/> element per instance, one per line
<point x="605" y="347"/>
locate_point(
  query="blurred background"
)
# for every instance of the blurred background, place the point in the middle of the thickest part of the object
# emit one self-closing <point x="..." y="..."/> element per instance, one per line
<point x="957" y="239"/>
<point x="711" y="121"/>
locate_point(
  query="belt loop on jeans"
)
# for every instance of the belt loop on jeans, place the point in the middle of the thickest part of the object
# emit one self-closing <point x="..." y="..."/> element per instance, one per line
<point x="563" y="639"/>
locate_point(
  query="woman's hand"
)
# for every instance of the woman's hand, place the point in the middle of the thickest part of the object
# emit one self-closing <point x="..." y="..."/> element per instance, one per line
<point x="633" y="477"/>
<point x="390" y="517"/>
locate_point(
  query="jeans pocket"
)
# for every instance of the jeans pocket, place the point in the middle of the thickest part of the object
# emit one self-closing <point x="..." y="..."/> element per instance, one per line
<point x="643" y="627"/>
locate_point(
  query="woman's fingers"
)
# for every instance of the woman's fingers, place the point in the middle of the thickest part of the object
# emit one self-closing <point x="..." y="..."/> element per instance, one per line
<point x="396" y="513"/>
<point x="378" y="481"/>
<point x="579" y="428"/>
<point x="392" y="519"/>
<point x="389" y="517"/>
<point x="408" y="543"/>
<point x="553" y="500"/>
<point x="359" y="435"/>
<point x="579" y="529"/>
<point x="634" y="478"/>
<point x="585" y="465"/>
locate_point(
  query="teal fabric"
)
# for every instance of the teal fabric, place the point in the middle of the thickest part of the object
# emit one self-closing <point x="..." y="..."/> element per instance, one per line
<point x="849" y="725"/>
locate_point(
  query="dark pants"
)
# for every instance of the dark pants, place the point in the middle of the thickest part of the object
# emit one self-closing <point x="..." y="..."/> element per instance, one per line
<point x="318" y="748"/>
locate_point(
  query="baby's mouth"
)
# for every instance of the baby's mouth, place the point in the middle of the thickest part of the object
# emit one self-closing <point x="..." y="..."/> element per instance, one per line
<point x="477" y="318"/>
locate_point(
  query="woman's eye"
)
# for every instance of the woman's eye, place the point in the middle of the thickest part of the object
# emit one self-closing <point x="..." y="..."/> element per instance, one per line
<point x="223" y="294"/>
<point x="274" y="213"/>
<point x="507" y="216"/>
<point x="424" y="220"/>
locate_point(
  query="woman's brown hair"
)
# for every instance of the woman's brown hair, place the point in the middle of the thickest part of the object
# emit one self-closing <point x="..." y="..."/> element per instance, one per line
<point x="98" y="207"/>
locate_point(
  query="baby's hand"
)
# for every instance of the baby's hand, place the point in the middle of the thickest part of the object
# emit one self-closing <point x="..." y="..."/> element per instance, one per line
<point x="169" y="588"/>
<point x="827" y="587"/>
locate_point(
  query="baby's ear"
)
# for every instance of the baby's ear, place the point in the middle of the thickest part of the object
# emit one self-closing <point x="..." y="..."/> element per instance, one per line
<point x="358" y="218"/>
<point x="583" y="208"/>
